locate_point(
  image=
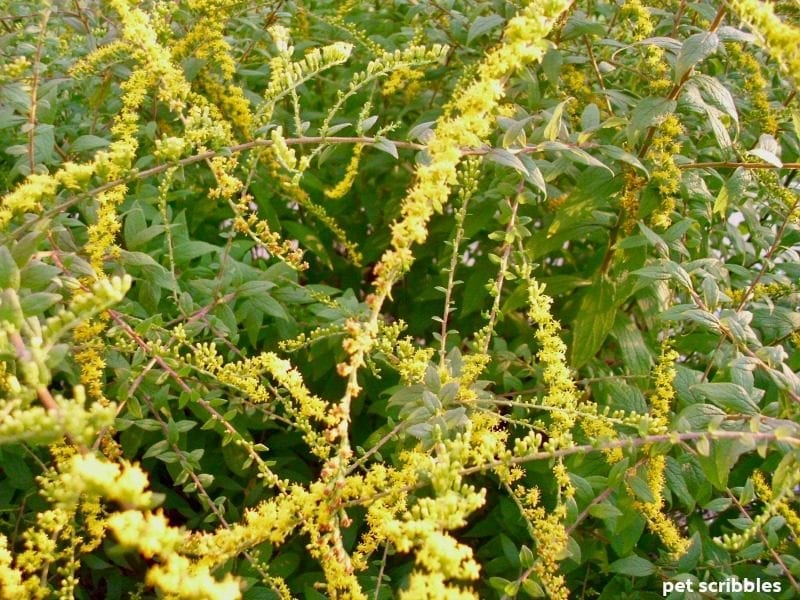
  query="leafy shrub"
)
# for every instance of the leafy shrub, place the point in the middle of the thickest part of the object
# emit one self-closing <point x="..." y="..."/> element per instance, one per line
<point x="429" y="299"/>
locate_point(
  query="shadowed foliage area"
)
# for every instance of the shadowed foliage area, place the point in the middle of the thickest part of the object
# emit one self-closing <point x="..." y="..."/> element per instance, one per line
<point x="439" y="299"/>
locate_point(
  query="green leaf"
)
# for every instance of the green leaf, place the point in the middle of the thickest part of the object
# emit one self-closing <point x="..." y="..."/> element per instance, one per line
<point x="37" y="275"/>
<point x="510" y="551"/>
<point x="88" y="142"/>
<point x="717" y="505"/>
<point x="594" y="321"/>
<point x="134" y="223"/>
<point x="618" y="153"/>
<point x="16" y="472"/>
<point x="551" y="64"/>
<point x="628" y="530"/>
<point x="727" y="33"/>
<point x="677" y="484"/>
<point x="664" y="269"/>
<point x="9" y="119"/>
<point x="515" y="132"/>
<point x="186" y="251"/>
<point x="590" y="118"/>
<point x="284" y="564"/>
<point x="533" y="589"/>
<point x="640" y="488"/>
<point x="734" y="187"/>
<point x="9" y="272"/>
<point x="268" y="305"/>
<point x="575" y="154"/>
<point x="635" y="566"/>
<point x="526" y="557"/>
<point x="655" y="239"/>
<point x="695" y="49"/>
<point x="553" y="127"/>
<point x="766" y="156"/>
<point x="604" y="510"/>
<point x="719" y="94"/>
<point x="422" y="131"/>
<point x="148" y="424"/>
<point x="483" y="25"/>
<point x="38" y="302"/>
<point x="511" y="589"/>
<point x="622" y="395"/>
<point x="25" y="248"/>
<point x="138" y="259"/>
<point x="721" y="201"/>
<point x="406" y="395"/>
<point x="728" y="396"/>
<point x="156" y="449"/>
<point x="365" y="125"/>
<point x="503" y="157"/>
<point x="384" y="145"/>
<point x="688" y="312"/>
<point x="720" y="131"/>
<point x="578" y="25"/>
<point x="784" y="473"/>
<point x="44" y="143"/>
<point x="153" y="271"/>
<point x="498" y="583"/>
<point x="717" y="460"/>
<point x="647" y="113"/>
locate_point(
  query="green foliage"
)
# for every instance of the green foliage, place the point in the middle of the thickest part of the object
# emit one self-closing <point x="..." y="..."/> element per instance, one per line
<point x="419" y="299"/>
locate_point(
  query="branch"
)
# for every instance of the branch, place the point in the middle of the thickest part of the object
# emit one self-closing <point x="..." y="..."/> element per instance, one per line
<point x="626" y="443"/>
<point x="728" y="164"/>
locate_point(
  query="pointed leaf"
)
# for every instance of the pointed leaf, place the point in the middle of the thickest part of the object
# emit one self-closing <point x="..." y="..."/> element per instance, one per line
<point x="594" y="321"/>
<point x="695" y="49"/>
<point x="483" y="25"/>
<point x="635" y="566"/>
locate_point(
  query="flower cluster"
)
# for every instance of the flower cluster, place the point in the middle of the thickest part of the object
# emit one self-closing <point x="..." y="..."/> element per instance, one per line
<point x="341" y="188"/>
<point x="654" y="62"/>
<point x="755" y="85"/>
<point x="206" y="42"/>
<point x="629" y="199"/>
<point x="424" y="526"/>
<point x="473" y="108"/>
<point x="395" y="458"/>
<point x="779" y="38"/>
<point x="14" y="68"/>
<point x="152" y="536"/>
<point x="666" y="175"/>
<point x="282" y="159"/>
<point x="562" y="395"/>
<point x="660" y="405"/>
<point x="782" y="506"/>
<point x="774" y="504"/>
<point x="302" y="407"/>
<point x="37" y="188"/>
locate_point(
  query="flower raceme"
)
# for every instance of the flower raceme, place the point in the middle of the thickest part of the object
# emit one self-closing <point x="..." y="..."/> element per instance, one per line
<point x="388" y="480"/>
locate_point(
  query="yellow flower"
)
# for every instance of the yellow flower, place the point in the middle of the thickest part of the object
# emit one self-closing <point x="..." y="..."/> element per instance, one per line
<point x="87" y="474"/>
<point x="661" y="401"/>
<point x="10" y="577"/>
<point x="780" y="39"/>
<point x="476" y="104"/>
<point x="346" y="183"/>
<point x="657" y="521"/>
<point x="432" y="586"/>
<point x="782" y="506"/>
<point x="149" y="533"/>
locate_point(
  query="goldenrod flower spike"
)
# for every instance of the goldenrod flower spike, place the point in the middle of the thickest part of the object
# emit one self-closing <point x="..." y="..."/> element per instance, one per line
<point x="780" y="39"/>
<point x="660" y="406"/>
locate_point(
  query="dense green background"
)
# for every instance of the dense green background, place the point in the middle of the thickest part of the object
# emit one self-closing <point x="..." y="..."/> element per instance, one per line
<point x="720" y="281"/>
